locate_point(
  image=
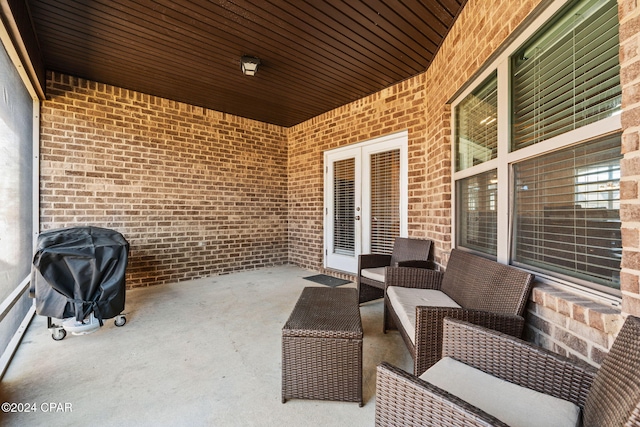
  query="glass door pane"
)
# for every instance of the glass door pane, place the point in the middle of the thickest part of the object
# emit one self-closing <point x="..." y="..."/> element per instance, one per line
<point x="344" y="207"/>
<point x="385" y="200"/>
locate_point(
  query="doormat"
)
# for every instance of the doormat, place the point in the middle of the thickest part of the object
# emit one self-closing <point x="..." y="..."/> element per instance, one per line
<point x="323" y="279"/>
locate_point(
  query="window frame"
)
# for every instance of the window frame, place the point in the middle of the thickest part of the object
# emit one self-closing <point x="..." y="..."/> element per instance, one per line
<point x="500" y="62"/>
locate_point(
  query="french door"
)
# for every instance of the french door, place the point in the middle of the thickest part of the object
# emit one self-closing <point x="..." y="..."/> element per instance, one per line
<point x="365" y="200"/>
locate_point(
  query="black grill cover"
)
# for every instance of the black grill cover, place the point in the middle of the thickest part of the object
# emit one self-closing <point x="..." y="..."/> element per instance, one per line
<point x="80" y="270"/>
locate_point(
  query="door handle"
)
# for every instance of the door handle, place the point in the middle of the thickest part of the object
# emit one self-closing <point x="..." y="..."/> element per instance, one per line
<point x="357" y="217"/>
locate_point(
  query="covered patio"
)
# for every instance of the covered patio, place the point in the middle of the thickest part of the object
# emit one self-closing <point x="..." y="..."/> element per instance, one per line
<point x="364" y="121"/>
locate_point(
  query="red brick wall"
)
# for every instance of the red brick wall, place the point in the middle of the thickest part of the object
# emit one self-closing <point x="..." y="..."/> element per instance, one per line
<point x="196" y="192"/>
<point x="629" y="15"/>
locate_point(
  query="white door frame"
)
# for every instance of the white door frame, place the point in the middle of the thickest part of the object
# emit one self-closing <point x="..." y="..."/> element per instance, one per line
<point x="362" y="153"/>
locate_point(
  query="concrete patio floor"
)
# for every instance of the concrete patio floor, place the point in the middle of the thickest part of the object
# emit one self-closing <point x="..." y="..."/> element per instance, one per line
<point x="200" y="353"/>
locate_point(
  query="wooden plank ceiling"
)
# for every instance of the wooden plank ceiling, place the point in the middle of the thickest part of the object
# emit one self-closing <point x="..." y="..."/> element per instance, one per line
<point x="315" y="55"/>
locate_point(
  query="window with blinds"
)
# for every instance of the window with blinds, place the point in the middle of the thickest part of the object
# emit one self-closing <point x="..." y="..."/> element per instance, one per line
<point x="477" y="212"/>
<point x="477" y="125"/>
<point x="385" y="200"/>
<point x="567" y="212"/>
<point x="343" y="196"/>
<point x="559" y="213"/>
<point x="568" y="76"/>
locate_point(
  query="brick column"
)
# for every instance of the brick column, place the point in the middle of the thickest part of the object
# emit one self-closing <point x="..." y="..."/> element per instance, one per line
<point x="629" y="16"/>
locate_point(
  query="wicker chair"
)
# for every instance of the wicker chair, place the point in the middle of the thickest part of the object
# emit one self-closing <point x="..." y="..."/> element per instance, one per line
<point x="607" y="397"/>
<point x="406" y="252"/>
<point x="488" y="293"/>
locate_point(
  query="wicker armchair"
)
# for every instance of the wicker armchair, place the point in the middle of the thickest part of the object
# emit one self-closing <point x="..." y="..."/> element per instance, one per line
<point x="487" y="293"/>
<point x="406" y="252"/>
<point x="607" y="397"/>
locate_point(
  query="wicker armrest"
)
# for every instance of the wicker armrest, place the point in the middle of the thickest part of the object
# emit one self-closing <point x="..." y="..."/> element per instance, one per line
<point x="417" y="263"/>
<point x="411" y="277"/>
<point x="430" y="330"/>
<point x="373" y="260"/>
<point x="528" y="365"/>
<point x="406" y="400"/>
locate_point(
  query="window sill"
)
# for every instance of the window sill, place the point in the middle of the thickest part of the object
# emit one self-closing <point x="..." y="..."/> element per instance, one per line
<point x="597" y="315"/>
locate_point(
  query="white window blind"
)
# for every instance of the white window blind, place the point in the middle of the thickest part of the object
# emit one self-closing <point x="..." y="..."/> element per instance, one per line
<point x="567" y="207"/>
<point x="343" y="212"/>
<point x="385" y="200"/>
<point x="477" y="125"/>
<point x="477" y="212"/>
<point x="569" y="75"/>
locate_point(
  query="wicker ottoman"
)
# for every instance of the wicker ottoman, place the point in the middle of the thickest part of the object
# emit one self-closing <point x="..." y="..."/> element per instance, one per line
<point x="322" y="347"/>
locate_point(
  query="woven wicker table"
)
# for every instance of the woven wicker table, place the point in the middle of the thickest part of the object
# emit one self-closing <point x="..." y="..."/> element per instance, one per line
<point x="322" y="347"/>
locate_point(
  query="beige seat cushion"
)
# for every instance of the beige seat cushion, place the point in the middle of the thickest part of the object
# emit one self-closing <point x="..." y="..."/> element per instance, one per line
<point x="405" y="300"/>
<point x="376" y="273"/>
<point x="514" y="405"/>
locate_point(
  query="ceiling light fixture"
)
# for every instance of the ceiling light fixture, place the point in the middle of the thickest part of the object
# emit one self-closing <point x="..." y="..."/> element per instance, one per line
<point x="249" y="65"/>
